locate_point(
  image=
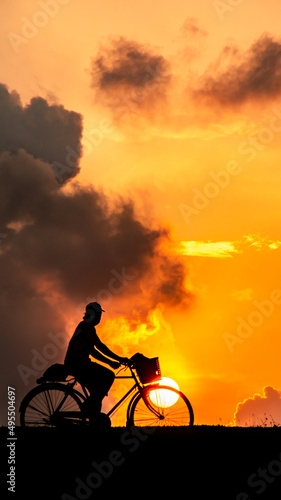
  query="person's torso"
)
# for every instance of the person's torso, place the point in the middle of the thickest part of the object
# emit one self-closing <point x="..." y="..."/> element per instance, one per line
<point x="80" y="345"/>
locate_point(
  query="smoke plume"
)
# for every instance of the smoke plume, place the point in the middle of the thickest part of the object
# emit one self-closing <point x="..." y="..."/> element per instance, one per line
<point x="236" y="78"/>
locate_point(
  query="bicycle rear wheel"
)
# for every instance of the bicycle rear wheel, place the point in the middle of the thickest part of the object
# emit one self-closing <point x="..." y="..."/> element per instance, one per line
<point x="161" y="406"/>
<point x="51" y="405"/>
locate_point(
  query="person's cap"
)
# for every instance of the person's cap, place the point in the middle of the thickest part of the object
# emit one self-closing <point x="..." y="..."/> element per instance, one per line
<point x="95" y="307"/>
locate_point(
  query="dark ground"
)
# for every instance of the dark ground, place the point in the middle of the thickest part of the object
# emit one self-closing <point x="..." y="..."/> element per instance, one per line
<point x="199" y="463"/>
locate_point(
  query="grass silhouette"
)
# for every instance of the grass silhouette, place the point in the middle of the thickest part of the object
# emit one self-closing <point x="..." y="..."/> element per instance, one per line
<point x="211" y="461"/>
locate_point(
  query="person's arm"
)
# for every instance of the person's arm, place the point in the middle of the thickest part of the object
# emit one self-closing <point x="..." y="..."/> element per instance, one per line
<point x="98" y="355"/>
<point x="107" y="352"/>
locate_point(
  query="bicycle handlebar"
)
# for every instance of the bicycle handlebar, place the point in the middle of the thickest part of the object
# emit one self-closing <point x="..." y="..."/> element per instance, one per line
<point x="128" y="363"/>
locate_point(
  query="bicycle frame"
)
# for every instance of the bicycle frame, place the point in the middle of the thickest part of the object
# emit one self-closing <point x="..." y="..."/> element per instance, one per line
<point x="138" y="387"/>
<point x="133" y="388"/>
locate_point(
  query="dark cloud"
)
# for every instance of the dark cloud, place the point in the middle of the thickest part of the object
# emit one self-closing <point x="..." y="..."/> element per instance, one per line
<point x="68" y="237"/>
<point x="172" y="286"/>
<point x="236" y="78"/>
<point x="260" y="410"/>
<point x="46" y="131"/>
<point x="73" y="238"/>
<point x="129" y="71"/>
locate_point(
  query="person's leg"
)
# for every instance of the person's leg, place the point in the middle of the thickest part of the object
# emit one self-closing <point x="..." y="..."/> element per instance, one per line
<point x="105" y="378"/>
<point x="98" y="381"/>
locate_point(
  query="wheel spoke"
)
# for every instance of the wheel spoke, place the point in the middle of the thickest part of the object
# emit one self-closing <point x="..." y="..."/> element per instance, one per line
<point x="49" y="402"/>
<point x="31" y="407"/>
<point x="51" y="405"/>
<point x="149" y="412"/>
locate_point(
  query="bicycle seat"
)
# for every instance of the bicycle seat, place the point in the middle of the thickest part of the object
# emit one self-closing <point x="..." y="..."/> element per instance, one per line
<point x="41" y="380"/>
<point x="55" y="373"/>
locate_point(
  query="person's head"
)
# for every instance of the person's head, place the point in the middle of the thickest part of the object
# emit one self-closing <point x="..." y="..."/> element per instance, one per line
<point x="93" y="313"/>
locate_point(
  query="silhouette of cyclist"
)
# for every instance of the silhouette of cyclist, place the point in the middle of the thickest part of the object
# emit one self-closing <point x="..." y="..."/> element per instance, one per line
<point x="94" y="376"/>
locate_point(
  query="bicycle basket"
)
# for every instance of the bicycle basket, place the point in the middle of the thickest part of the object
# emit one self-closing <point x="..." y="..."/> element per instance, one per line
<point x="148" y="369"/>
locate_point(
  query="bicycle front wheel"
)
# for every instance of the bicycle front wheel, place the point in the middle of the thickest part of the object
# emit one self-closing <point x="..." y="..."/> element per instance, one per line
<point x="51" y="405"/>
<point x="161" y="406"/>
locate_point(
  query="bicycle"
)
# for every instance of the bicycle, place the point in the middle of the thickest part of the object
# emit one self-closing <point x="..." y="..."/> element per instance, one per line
<point x="55" y="404"/>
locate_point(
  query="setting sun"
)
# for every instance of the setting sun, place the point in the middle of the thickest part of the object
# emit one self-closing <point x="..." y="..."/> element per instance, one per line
<point x="163" y="397"/>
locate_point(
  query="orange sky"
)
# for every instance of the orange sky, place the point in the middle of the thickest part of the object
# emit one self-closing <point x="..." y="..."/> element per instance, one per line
<point x="198" y="151"/>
